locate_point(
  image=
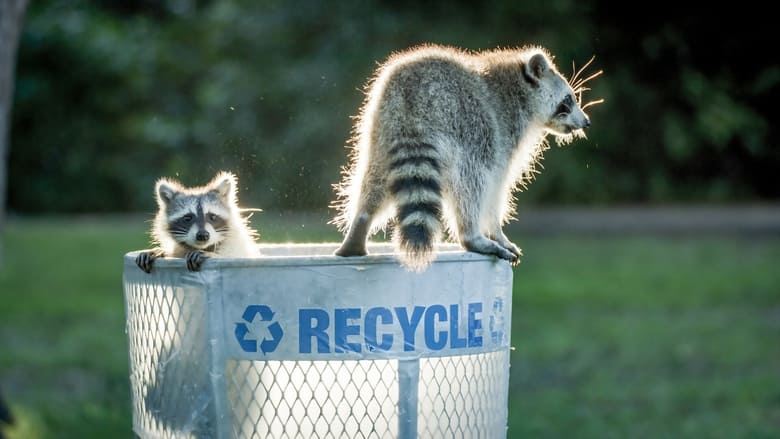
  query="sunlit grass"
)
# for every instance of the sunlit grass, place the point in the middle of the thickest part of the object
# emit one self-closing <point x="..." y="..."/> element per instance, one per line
<point x="613" y="337"/>
<point x="646" y="337"/>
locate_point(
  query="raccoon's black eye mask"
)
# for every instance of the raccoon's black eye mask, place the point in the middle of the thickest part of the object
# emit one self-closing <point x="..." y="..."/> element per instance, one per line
<point x="565" y="106"/>
<point x="182" y="225"/>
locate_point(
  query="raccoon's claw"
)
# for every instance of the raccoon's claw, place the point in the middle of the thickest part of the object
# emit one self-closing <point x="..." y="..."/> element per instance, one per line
<point x="194" y="259"/>
<point x="516" y="252"/>
<point x="509" y="256"/>
<point x="145" y="260"/>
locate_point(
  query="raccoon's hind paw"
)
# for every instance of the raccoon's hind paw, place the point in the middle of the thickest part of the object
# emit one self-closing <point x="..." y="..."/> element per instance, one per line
<point x="350" y="250"/>
<point x="194" y="260"/>
<point x="145" y="260"/>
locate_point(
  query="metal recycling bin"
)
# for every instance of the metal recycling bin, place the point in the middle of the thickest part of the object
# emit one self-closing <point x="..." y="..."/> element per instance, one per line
<point x="298" y="343"/>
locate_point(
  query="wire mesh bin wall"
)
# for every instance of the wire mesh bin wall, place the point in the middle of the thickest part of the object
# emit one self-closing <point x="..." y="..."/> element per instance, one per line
<point x="301" y="344"/>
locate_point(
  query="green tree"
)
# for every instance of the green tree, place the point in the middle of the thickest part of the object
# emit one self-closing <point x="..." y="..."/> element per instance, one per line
<point x="11" y="19"/>
<point x="112" y="96"/>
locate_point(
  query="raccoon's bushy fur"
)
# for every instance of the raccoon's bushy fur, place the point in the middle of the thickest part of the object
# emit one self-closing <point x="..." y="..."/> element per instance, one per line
<point x="443" y="139"/>
<point x="199" y="222"/>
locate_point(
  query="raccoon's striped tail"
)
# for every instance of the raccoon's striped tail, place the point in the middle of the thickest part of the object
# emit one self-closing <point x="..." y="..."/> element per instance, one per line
<point x="415" y="183"/>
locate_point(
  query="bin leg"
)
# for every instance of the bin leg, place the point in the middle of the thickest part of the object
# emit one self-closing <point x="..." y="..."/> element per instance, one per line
<point x="408" y="381"/>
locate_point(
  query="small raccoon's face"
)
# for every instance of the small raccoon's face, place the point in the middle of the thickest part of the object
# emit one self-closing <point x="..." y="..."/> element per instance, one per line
<point x="197" y="221"/>
<point x="196" y="218"/>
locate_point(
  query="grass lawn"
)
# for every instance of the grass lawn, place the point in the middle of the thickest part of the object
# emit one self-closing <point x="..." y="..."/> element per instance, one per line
<point x="640" y="337"/>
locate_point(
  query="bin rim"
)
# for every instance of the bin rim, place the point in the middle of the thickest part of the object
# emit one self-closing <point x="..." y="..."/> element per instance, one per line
<point x="318" y="254"/>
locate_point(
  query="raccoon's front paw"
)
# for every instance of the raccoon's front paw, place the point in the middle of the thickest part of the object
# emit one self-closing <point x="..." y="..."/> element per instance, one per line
<point x="489" y="247"/>
<point x="503" y="241"/>
<point x="512" y="248"/>
<point x="194" y="260"/>
<point x="510" y="255"/>
<point x="515" y="250"/>
<point x="145" y="260"/>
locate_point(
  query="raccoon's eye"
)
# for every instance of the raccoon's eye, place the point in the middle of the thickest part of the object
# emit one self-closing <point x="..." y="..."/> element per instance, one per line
<point x="187" y="218"/>
<point x="212" y="217"/>
<point x="564" y="107"/>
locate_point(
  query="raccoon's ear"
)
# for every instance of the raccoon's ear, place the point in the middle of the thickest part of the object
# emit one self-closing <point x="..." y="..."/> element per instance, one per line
<point x="225" y="186"/>
<point x="535" y="68"/>
<point x="165" y="192"/>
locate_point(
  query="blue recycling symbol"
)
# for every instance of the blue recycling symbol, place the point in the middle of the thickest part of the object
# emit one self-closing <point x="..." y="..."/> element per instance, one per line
<point x="496" y="322"/>
<point x="242" y="330"/>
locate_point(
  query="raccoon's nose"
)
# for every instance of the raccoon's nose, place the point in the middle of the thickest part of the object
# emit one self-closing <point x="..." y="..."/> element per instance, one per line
<point x="202" y="236"/>
<point x="587" y="123"/>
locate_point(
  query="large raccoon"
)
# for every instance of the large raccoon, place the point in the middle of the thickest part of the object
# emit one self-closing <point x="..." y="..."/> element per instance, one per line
<point x="195" y="223"/>
<point x="445" y="136"/>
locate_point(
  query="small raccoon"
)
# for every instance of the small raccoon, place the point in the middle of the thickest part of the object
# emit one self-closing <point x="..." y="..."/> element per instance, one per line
<point x="196" y="223"/>
<point x="442" y="141"/>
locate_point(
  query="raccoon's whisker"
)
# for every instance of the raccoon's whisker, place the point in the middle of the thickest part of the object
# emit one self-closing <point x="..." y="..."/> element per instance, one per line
<point x="573" y="72"/>
<point x="580" y="82"/>
<point x="592" y="103"/>
<point x="577" y="73"/>
<point x="595" y="75"/>
<point x="251" y="211"/>
<point x="579" y="91"/>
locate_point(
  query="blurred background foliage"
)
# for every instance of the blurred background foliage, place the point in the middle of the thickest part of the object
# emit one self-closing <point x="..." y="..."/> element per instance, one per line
<point x="111" y="95"/>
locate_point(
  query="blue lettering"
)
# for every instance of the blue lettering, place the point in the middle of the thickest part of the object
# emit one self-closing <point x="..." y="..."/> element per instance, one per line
<point x="343" y="329"/>
<point x="307" y="331"/>
<point x="371" y="321"/>
<point x="430" y="327"/>
<point x="315" y="323"/>
<point x="409" y="326"/>
<point x="455" y="341"/>
<point x="475" y="324"/>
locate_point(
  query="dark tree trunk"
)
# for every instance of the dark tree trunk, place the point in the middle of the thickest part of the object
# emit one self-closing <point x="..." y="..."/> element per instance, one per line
<point x="11" y="18"/>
